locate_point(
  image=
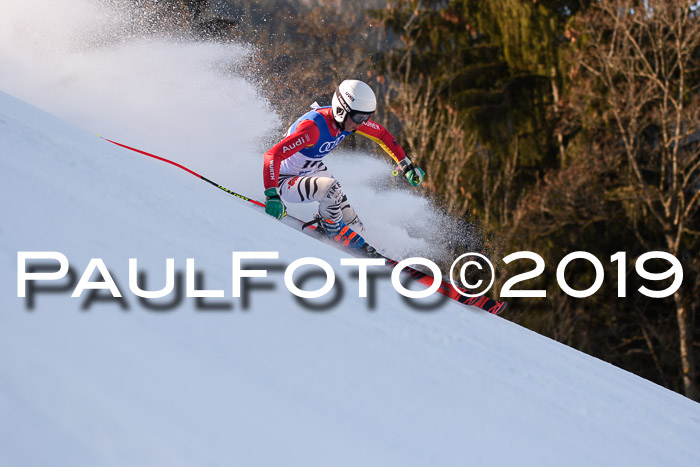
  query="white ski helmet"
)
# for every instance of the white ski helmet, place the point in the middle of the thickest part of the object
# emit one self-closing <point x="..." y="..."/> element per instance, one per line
<point x="353" y="98"/>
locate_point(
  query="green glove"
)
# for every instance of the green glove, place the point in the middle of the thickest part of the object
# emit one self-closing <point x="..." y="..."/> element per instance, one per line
<point x="273" y="203"/>
<point x="413" y="174"/>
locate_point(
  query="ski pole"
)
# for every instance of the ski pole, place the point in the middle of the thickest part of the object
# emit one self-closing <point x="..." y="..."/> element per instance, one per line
<point x="223" y="188"/>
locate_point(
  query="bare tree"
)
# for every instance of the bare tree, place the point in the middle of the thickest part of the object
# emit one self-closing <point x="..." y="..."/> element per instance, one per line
<point x="642" y="60"/>
<point x="435" y="139"/>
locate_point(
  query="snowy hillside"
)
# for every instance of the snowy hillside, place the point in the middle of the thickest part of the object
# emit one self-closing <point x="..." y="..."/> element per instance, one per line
<point x="275" y="384"/>
<point x="262" y="380"/>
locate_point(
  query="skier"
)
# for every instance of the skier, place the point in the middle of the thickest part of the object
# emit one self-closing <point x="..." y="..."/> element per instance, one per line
<point x="294" y="171"/>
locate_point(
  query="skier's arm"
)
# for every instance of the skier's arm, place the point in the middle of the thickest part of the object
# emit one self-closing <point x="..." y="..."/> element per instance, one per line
<point x="381" y="136"/>
<point x="305" y="135"/>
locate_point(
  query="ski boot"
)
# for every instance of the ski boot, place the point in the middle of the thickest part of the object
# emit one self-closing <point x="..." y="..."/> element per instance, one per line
<point x="339" y="232"/>
<point x="349" y="238"/>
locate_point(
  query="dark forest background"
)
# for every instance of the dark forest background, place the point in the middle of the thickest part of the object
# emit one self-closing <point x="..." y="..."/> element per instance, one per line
<point x="555" y="125"/>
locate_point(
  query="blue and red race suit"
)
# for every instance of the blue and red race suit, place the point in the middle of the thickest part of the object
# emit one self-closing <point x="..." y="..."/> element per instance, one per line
<point x="311" y="138"/>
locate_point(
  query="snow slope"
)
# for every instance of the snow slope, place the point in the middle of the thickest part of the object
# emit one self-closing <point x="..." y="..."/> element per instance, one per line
<point x="268" y="381"/>
<point x="276" y="384"/>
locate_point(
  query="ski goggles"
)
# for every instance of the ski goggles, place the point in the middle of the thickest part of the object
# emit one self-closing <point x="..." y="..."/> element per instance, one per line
<point x="359" y="117"/>
<point x="355" y="115"/>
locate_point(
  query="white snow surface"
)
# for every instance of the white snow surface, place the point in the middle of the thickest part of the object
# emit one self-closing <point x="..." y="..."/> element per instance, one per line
<point x="274" y="383"/>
